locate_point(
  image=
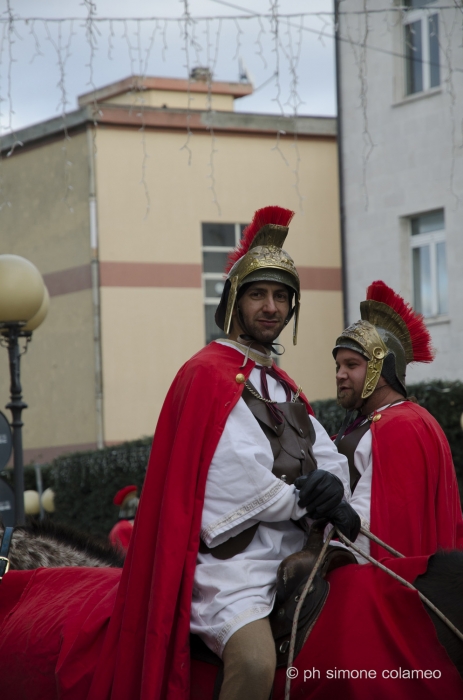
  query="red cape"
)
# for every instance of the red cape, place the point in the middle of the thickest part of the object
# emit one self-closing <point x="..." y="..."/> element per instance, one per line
<point x="146" y="651"/>
<point x="415" y="504"/>
<point x="120" y="535"/>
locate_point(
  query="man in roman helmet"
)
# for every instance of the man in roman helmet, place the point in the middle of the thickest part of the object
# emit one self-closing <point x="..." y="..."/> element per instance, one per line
<point x="127" y="500"/>
<point x="401" y="471"/>
<point x="219" y="509"/>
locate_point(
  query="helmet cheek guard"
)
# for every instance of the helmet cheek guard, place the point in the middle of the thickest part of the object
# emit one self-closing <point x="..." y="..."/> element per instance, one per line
<point x="363" y="337"/>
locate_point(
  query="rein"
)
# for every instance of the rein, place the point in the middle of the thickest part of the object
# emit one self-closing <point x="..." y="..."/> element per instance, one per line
<point x="4" y="549"/>
<point x="306" y="590"/>
<point x="348" y="543"/>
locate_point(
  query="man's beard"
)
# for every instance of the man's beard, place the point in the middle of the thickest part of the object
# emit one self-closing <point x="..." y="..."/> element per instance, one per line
<point x="264" y="336"/>
<point x="350" y="400"/>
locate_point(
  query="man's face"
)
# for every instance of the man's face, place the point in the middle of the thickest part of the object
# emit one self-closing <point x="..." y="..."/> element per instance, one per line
<point x="264" y="307"/>
<point x="351" y="369"/>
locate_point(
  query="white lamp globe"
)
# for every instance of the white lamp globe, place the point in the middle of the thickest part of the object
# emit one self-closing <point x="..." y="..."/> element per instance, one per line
<point x="31" y="502"/>
<point x="48" y="500"/>
<point x="39" y="317"/>
<point x="21" y="289"/>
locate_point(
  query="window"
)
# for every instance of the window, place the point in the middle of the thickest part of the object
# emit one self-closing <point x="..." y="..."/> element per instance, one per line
<point x="218" y="241"/>
<point x="421" y="36"/>
<point x="429" y="266"/>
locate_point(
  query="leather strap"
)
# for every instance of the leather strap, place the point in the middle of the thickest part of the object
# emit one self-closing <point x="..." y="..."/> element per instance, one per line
<point x="347" y="447"/>
<point x="349" y="418"/>
<point x="232" y="546"/>
<point x="4" y="549"/>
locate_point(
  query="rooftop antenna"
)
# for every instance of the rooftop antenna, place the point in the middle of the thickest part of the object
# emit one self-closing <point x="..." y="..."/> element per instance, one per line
<point x="244" y="75"/>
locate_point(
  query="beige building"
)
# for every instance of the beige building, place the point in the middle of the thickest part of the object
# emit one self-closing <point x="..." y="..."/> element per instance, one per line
<point x="128" y="206"/>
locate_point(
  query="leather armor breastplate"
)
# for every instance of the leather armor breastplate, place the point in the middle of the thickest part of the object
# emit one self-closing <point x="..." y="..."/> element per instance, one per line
<point x="347" y="446"/>
<point x="291" y="441"/>
<point x="291" y="444"/>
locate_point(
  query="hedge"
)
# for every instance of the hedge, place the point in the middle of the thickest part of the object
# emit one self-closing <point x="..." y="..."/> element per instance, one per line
<point x="30" y="481"/>
<point x="85" y="482"/>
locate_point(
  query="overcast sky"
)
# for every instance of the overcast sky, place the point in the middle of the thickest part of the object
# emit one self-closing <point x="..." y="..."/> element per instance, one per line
<point x="46" y="64"/>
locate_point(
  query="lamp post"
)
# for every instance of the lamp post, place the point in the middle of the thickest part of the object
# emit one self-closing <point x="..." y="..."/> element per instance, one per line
<point x="23" y="306"/>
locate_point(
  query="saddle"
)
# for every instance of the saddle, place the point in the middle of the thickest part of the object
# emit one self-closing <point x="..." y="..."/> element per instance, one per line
<point x="292" y="575"/>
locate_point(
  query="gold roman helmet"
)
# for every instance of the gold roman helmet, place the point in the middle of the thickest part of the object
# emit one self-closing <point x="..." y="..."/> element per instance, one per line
<point x="259" y="257"/>
<point x="389" y="336"/>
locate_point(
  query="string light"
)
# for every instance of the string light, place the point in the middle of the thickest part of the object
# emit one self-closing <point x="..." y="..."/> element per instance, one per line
<point x="200" y="36"/>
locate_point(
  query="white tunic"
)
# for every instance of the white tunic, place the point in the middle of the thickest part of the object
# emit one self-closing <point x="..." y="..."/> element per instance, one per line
<point x="361" y="498"/>
<point x="240" y="491"/>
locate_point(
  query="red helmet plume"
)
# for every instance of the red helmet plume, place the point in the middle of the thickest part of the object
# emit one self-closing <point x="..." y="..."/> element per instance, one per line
<point x="267" y="215"/>
<point x="120" y="495"/>
<point x="419" y="334"/>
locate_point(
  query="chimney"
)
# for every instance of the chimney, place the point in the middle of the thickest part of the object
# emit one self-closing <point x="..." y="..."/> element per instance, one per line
<point x="201" y="73"/>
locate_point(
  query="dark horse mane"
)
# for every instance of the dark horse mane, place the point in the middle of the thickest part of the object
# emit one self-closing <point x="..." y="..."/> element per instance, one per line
<point x="46" y="543"/>
<point x="443" y="585"/>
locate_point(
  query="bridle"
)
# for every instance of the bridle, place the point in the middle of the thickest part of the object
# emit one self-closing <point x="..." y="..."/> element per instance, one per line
<point x="4" y="550"/>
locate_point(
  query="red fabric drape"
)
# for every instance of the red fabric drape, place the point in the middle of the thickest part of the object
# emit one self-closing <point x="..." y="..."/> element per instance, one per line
<point x="53" y="623"/>
<point x="146" y="651"/>
<point x="371" y="622"/>
<point x="120" y="535"/>
<point x="52" y="626"/>
<point x="415" y="504"/>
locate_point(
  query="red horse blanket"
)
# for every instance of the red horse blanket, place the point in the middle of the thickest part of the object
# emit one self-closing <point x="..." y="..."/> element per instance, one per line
<point x="52" y="625"/>
<point x="373" y="639"/>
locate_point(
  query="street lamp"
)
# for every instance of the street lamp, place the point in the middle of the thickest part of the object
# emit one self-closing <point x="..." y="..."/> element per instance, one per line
<point x="23" y="306"/>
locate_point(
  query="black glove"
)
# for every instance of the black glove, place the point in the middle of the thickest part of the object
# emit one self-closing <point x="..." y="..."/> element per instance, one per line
<point x="320" y="492"/>
<point x="346" y="519"/>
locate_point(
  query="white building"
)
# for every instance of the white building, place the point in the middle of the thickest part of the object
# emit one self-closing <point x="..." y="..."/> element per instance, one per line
<point x="400" y="87"/>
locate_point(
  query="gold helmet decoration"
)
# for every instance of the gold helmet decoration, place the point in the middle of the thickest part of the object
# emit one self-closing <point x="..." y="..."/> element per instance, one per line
<point x="259" y="257"/>
<point x="389" y="335"/>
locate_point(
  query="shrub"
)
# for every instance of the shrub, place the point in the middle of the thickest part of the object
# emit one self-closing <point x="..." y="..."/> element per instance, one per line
<point x="30" y="481"/>
<point x="85" y="483"/>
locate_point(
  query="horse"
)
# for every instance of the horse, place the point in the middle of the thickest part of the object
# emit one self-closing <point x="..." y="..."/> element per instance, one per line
<point x="46" y="544"/>
<point x="53" y="623"/>
<point x="443" y="584"/>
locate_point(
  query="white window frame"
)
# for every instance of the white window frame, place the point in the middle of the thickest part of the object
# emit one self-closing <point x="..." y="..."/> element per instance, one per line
<point x="430" y="239"/>
<point x="421" y="14"/>
<point x="219" y="276"/>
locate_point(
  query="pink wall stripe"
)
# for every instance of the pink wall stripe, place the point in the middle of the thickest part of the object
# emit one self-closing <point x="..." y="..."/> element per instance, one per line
<point x="322" y="279"/>
<point x="74" y="279"/>
<point x="139" y="274"/>
<point x="151" y="274"/>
